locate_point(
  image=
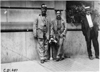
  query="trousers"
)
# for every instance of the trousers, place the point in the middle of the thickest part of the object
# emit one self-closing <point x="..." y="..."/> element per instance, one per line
<point x="92" y="35"/>
<point x="42" y="47"/>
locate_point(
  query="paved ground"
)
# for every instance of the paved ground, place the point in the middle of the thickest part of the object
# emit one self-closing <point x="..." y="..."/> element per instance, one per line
<point x="75" y="63"/>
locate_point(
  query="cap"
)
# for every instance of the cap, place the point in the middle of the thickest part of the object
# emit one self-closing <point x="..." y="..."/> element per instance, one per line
<point x="43" y="6"/>
<point x="58" y="11"/>
<point x="87" y="8"/>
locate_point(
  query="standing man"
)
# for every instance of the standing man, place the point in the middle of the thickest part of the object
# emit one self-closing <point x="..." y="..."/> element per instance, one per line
<point x="96" y="23"/>
<point x="41" y="31"/>
<point x="59" y="32"/>
<point x="90" y="31"/>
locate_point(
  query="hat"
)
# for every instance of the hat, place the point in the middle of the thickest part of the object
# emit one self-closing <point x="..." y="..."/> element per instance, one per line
<point x="43" y="6"/>
<point x="58" y="11"/>
<point x="87" y="8"/>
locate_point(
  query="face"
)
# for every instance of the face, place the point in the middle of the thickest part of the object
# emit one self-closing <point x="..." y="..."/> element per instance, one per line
<point x="58" y="15"/>
<point x="88" y="12"/>
<point x="44" y="10"/>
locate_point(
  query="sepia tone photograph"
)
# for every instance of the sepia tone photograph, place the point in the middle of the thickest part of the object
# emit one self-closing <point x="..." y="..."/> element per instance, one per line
<point x="50" y="35"/>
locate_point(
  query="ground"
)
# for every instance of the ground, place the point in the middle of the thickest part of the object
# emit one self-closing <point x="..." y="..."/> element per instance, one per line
<point x="74" y="63"/>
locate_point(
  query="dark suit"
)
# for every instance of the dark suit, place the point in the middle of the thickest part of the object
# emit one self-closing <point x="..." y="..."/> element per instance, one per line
<point x="91" y="34"/>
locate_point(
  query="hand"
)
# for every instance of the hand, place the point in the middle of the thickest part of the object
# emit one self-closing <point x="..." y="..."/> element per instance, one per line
<point x="35" y="37"/>
<point x="62" y="35"/>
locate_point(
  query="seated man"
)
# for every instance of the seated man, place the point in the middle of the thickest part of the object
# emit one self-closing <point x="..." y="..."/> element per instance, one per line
<point x="58" y="30"/>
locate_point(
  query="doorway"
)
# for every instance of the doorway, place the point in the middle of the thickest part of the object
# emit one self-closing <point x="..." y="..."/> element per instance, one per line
<point x="72" y="10"/>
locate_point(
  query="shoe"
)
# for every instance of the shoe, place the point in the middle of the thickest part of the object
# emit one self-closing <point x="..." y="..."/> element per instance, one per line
<point x="97" y="57"/>
<point x="91" y="58"/>
<point x="42" y="61"/>
<point x="57" y="59"/>
<point x="62" y="58"/>
<point x="46" y="60"/>
<point x="66" y="56"/>
<point x="54" y="58"/>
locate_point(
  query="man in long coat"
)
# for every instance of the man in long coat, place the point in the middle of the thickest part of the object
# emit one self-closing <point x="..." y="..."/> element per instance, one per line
<point x="41" y="31"/>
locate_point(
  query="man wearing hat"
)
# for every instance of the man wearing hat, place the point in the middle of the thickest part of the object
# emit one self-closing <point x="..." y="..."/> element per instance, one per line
<point x="90" y="31"/>
<point x="59" y="32"/>
<point x="41" y="31"/>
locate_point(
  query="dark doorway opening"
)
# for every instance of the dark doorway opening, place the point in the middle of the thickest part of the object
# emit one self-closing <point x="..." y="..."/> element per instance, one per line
<point x="72" y="10"/>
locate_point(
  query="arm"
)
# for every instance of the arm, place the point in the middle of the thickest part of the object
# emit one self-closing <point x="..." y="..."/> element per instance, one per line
<point x="35" y="26"/>
<point x="65" y="28"/>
